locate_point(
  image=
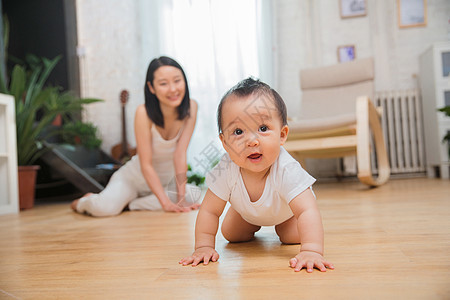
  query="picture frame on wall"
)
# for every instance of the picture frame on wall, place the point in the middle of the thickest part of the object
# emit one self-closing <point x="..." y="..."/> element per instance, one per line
<point x="346" y="53"/>
<point x="352" y="8"/>
<point x="412" y="13"/>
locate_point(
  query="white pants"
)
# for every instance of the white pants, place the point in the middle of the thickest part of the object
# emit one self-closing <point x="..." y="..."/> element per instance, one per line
<point x="128" y="187"/>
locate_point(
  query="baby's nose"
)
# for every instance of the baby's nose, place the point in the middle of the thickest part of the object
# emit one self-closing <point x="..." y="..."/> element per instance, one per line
<point x="253" y="141"/>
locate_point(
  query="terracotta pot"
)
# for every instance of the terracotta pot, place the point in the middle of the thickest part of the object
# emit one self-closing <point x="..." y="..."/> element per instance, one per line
<point x="27" y="184"/>
<point x="57" y="121"/>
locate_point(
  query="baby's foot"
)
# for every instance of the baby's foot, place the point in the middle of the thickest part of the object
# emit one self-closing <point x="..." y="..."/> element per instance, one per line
<point x="74" y="203"/>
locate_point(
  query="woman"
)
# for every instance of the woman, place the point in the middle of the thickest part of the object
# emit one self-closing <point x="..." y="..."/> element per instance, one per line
<point x="155" y="177"/>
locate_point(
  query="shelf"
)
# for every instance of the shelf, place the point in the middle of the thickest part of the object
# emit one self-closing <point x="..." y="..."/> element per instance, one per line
<point x="435" y="87"/>
<point x="8" y="162"/>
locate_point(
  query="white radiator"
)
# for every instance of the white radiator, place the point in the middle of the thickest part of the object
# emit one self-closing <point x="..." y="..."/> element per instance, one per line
<point x="402" y="127"/>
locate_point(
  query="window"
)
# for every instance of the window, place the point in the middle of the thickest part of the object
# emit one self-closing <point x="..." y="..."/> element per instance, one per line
<point x="218" y="43"/>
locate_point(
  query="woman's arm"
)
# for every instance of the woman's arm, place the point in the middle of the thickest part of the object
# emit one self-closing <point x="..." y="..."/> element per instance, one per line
<point x="179" y="158"/>
<point x="205" y="230"/>
<point x="142" y="129"/>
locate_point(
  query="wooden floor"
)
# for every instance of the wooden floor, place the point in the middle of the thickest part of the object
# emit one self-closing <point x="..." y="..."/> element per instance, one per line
<point x="391" y="242"/>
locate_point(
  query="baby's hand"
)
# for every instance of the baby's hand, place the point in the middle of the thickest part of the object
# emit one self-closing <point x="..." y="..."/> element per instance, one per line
<point x="204" y="254"/>
<point x="309" y="260"/>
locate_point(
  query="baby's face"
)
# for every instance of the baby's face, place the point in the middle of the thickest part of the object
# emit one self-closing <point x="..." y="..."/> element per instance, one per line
<point x="252" y="132"/>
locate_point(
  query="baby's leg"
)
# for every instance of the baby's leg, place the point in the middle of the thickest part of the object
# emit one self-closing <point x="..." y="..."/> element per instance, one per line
<point x="236" y="229"/>
<point x="288" y="231"/>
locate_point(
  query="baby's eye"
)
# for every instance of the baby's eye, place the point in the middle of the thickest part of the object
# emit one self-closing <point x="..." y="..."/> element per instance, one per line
<point x="263" y="128"/>
<point x="237" y="131"/>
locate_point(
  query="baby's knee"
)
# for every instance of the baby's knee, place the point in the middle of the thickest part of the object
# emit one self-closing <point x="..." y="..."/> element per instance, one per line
<point x="288" y="240"/>
<point x="227" y="234"/>
<point x="289" y="237"/>
<point x="236" y="237"/>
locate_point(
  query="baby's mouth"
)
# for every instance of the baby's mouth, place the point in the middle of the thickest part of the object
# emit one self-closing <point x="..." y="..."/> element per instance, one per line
<point x="254" y="156"/>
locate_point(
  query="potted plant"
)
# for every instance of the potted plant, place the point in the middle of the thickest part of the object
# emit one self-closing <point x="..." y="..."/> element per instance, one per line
<point x="32" y="97"/>
<point x="81" y="133"/>
<point x="446" y="139"/>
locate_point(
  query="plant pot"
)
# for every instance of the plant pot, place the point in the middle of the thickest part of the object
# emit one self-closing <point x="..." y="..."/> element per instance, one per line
<point x="27" y="184"/>
<point x="57" y="121"/>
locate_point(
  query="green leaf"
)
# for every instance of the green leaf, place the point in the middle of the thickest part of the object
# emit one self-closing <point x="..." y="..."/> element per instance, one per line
<point x="27" y="85"/>
<point x="18" y="81"/>
<point x="49" y="65"/>
<point x="446" y="110"/>
<point x="32" y="89"/>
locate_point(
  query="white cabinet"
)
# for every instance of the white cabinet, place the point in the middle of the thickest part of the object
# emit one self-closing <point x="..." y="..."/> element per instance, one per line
<point x="435" y="86"/>
<point x="8" y="156"/>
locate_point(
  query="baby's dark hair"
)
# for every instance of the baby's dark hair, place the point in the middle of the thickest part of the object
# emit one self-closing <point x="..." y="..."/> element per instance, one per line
<point x="252" y="86"/>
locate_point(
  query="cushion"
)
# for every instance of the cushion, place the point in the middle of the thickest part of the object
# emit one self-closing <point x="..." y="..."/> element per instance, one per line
<point x="337" y="75"/>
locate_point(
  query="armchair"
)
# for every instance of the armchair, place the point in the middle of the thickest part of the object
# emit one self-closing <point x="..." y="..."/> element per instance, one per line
<point x="338" y="118"/>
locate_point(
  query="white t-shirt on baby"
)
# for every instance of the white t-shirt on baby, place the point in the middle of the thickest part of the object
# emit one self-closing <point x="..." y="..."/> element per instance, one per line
<point x="286" y="180"/>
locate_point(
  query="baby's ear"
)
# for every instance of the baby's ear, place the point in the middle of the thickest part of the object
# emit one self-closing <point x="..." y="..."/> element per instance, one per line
<point x="284" y="134"/>
<point x="222" y="139"/>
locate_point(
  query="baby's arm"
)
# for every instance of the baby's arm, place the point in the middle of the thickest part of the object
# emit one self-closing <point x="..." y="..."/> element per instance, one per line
<point x="310" y="229"/>
<point x="205" y="231"/>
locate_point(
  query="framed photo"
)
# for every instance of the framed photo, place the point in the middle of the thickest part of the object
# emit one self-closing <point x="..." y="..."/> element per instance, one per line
<point x="352" y="8"/>
<point x="346" y="53"/>
<point x="412" y="13"/>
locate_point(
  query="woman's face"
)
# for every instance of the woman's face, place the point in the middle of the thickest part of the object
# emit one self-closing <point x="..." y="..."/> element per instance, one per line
<point x="168" y="86"/>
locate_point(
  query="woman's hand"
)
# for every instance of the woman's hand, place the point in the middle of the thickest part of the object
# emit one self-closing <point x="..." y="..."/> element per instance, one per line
<point x="183" y="203"/>
<point x="309" y="260"/>
<point x="205" y="254"/>
<point x="169" y="206"/>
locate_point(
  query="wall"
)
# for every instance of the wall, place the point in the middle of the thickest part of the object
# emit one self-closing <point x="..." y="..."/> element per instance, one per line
<point x="111" y="49"/>
<point x="309" y="32"/>
<point x="116" y="51"/>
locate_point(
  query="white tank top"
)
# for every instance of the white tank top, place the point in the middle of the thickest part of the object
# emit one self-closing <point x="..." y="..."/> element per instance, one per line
<point x="162" y="155"/>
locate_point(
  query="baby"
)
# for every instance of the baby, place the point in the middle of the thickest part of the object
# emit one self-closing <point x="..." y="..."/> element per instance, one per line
<point x="263" y="183"/>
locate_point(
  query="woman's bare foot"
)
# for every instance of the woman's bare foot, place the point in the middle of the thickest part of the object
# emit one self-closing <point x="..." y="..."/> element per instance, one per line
<point x="74" y="203"/>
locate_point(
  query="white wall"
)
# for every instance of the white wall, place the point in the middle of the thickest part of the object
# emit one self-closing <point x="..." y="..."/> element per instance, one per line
<point x="309" y="32"/>
<point x="110" y="35"/>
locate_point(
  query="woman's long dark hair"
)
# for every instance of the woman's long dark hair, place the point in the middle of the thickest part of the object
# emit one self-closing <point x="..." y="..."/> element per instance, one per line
<point x="152" y="103"/>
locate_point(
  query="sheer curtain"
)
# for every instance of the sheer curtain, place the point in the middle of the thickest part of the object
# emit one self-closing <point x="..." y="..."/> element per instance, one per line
<point x="218" y="43"/>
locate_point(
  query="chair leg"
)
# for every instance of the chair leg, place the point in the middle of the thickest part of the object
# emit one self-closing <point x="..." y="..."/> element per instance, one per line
<point x="367" y="118"/>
